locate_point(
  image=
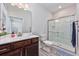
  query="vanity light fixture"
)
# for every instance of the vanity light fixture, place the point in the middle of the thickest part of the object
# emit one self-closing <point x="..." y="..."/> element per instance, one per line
<point x="21" y="5"/>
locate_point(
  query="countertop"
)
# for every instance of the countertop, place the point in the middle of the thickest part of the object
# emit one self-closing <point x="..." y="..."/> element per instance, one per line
<point x="8" y="39"/>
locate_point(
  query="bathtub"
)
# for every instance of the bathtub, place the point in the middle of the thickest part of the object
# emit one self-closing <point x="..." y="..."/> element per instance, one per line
<point x="57" y="49"/>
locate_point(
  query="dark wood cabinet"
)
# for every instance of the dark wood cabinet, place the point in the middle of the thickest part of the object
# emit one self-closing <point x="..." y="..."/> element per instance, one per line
<point x="17" y="52"/>
<point x="32" y="50"/>
<point x="5" y="48"/>
<point x="28" y="47"/>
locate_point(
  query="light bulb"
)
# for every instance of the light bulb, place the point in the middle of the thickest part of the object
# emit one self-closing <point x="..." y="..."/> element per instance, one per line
<point x="13" y="4"/>
<point x="25" y="8"/>
<point x="20" y="5"/>
<point x="56" y="20"/>
<point x="60" y="6"/>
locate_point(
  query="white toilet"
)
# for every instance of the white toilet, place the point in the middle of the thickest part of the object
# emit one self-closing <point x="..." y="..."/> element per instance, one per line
<point x="47" y="45"/>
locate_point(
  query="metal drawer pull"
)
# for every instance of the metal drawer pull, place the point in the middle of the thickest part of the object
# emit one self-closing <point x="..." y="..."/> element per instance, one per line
<point x="3" y="50"/>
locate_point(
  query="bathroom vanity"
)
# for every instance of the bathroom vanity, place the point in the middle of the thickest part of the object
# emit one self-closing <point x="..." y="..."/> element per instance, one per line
<point x="27" y="45"/>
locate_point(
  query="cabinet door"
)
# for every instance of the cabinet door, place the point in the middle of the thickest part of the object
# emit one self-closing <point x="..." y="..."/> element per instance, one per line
<point x="5" y="48"/>
<point x="17" y="52"/>
<point x="32" y="50"/>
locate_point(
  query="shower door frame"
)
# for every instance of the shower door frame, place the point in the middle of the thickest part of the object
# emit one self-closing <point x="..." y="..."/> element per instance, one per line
<point x="76" y="31"/>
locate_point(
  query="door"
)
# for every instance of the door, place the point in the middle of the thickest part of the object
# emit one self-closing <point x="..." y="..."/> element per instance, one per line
<point x="32" y="50"/>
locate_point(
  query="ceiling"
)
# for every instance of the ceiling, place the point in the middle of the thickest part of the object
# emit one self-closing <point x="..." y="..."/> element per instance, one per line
<point x="53" y="7"/>
<point x="9" y="7"/>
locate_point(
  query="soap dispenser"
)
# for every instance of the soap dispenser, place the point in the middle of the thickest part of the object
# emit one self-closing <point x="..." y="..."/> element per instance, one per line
<point x="13" y="34"/>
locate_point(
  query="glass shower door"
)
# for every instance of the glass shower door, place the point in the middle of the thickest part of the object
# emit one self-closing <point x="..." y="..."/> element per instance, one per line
<point x="60" y="32"/>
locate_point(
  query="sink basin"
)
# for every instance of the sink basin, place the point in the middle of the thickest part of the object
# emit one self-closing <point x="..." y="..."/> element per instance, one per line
<point x="27" y="34"/>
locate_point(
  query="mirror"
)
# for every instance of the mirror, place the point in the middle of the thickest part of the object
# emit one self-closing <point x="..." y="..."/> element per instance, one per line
<point x="16" y="19"/>
<point x="3" y="18"/>
<point x="16" y="24"/>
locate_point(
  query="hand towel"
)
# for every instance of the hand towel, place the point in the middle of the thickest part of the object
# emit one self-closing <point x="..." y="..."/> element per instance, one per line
<point x="73" y="41"/>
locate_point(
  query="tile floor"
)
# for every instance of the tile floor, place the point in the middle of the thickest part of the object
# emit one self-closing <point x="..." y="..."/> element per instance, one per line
<point x="42" y="52"/>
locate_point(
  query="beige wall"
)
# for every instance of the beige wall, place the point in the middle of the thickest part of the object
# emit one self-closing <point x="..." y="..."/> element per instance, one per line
<point x="40" y="17"/>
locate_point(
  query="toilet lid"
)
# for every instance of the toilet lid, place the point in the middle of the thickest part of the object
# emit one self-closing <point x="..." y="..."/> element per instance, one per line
<point x="48" y="42"/>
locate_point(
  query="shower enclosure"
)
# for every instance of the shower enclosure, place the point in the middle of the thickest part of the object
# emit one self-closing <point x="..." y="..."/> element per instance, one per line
<point x="60" y="32"/>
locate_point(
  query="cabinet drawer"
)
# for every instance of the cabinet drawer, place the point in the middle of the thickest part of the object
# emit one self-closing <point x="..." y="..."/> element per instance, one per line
<point x="17" y="44"/>
<point x="27" y="42"/>
<point x="4" y="48"/>
<point x="16" y="52"/>
<point x="21" y="44"/>
<point x="34" y="40"/>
